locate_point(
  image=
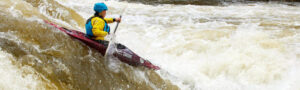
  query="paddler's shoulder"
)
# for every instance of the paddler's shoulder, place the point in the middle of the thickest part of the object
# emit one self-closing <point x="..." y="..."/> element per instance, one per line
<point x="97" y="19"/>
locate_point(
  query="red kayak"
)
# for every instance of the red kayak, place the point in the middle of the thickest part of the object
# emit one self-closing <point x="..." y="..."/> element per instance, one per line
<point x="125" y="55"/>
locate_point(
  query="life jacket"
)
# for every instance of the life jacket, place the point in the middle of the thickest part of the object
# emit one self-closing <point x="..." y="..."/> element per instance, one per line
<point x="89" y="27"/>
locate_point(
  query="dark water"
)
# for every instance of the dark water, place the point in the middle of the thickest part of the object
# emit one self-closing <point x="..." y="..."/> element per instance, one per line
<point x="206" y="2"/>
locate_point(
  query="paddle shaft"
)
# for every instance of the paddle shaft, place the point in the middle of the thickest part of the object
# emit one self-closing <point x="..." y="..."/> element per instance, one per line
<point x="117" y="25"/>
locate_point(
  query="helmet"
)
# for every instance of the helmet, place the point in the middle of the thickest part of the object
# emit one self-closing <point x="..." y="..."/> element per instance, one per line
<point x="99" y="7"/>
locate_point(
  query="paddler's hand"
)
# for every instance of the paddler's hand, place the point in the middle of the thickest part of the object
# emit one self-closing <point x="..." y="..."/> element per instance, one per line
<point x="118" y="19"/>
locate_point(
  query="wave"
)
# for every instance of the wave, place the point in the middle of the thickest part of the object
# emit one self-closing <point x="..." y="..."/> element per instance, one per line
<point x="55" y="60"/>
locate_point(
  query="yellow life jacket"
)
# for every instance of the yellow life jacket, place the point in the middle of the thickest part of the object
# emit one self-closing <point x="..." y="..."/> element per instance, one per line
<point x="97" y="27"/>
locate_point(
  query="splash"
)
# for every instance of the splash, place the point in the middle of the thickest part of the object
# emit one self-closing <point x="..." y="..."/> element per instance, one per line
<point x="56" y="60"/>
<point x="240" y="46"/>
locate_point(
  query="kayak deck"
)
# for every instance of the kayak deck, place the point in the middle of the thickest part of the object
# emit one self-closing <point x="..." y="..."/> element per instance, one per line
<point x="125" y="55"/>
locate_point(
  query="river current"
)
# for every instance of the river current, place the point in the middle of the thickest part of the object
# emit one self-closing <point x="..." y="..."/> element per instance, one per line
<point x="236" y="46"/>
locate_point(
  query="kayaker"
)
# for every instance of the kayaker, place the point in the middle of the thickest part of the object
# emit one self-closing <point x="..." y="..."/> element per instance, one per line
<point x="97" y="26"/>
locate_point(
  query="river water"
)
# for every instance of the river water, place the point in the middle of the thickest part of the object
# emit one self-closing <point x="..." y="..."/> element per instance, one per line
<point x="237" y="46"/>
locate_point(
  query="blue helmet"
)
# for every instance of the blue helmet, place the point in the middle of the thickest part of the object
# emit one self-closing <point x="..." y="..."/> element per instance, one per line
<point x="99" y="7"/>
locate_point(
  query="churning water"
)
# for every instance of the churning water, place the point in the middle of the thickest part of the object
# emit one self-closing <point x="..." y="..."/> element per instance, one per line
<point x="229" y="47"/>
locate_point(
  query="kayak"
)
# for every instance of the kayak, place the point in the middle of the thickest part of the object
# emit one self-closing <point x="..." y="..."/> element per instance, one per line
<point x="125" y="55"/>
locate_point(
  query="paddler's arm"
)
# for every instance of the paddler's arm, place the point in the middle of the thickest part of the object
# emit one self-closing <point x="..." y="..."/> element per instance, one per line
<point x="98" y="26"/>
<point x="109" y="20"/>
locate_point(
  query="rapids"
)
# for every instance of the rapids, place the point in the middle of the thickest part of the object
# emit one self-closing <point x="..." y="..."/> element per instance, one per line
<point x="239" y="46"/>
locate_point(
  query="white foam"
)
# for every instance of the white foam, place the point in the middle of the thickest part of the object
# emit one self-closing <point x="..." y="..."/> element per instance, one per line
<point x="200" y="48"/>
<point x="17" y="78"/>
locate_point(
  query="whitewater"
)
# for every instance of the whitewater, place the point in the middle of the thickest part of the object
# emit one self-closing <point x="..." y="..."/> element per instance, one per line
<point x="237" y="46"/>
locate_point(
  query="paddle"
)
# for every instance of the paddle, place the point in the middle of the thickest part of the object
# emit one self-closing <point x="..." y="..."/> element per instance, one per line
<point x="111" y="44"/>
<point x="117" y="25"/>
